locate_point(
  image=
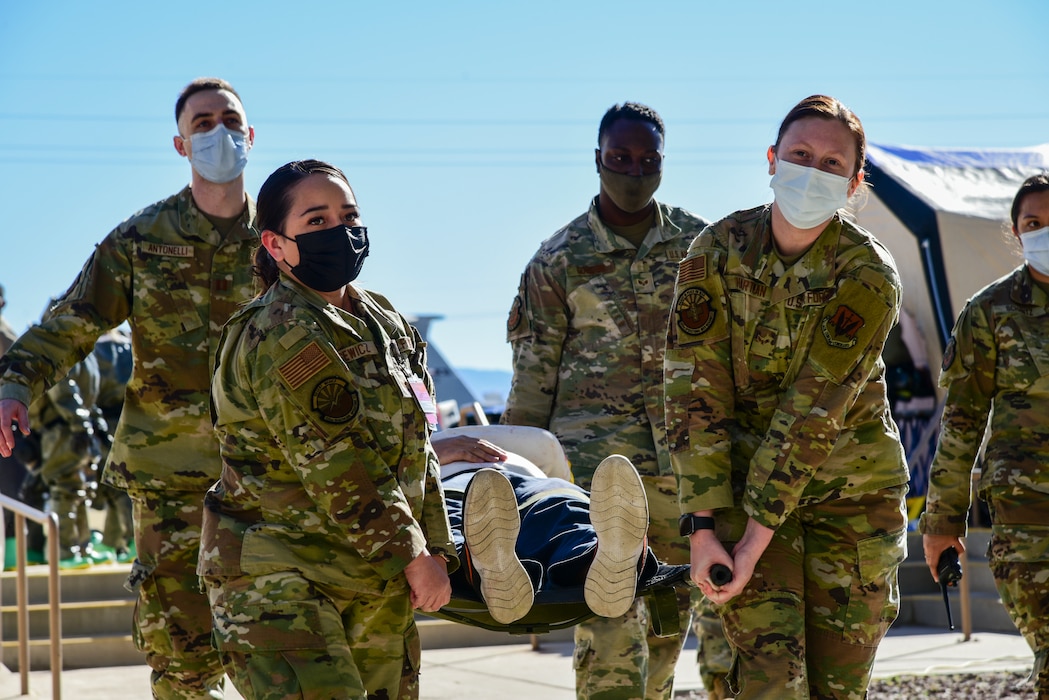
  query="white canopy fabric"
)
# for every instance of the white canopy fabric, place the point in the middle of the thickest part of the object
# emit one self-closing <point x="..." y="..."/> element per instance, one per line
<point x="944" y="216"/>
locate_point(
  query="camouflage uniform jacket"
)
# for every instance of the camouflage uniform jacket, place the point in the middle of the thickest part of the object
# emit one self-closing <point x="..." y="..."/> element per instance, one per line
<point x="7" y="336"/>
<point x="775" y="387"/>
<point x="168" y="272"/>
<point x="996" y="367"/>
<point x="327" y="463"/>
<point x="114" y="367"/>
<point x="71" y="402"/>
<point x="588" y="328"/>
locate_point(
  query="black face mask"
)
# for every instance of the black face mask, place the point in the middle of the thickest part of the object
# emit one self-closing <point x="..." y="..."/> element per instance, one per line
<point x="332" y="258"/>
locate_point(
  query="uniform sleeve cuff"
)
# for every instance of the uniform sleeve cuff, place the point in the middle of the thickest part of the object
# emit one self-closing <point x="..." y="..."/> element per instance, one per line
<point x="9" y="390"/>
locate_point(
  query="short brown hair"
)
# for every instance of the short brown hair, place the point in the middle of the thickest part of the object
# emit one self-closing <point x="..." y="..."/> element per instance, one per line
<point x="199" y="85"/>
<point x="825" y="107"/>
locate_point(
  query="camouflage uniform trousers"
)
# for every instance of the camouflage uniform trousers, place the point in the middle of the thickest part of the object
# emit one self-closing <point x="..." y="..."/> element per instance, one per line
<point x="1019" y="557"/>
<point x="172" y="622"/>
<point x="820" y="601"/>
<point x="64" y="466"/>
<point x="283" y="637"/>
<point x="614" y="658"/>
<point x="713" y="652"/>
<point x="118" y="531"/>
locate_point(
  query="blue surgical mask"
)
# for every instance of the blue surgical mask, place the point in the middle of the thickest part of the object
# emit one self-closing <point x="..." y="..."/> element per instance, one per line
<point x="807" y="196"/>
<point x="219" y="155"/>
<point x="1036" y="249"/>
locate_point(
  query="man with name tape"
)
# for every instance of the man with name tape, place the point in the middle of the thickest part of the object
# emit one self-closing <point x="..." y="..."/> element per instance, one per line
<point x="175" y="271"/>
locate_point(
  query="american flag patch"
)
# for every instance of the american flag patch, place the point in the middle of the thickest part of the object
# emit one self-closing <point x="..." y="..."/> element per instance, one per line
<point x="693" y="270"/>
<point x="306" y="363"/>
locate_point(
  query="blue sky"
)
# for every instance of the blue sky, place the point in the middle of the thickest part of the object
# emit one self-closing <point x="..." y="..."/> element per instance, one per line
<point x="467" y="128"/>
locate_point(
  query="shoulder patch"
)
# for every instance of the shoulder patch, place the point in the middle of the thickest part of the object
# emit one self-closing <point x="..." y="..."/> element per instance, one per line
<point x="306" y="363"/>
<point x="948" y="355"/>
<point x="841" y="328"/>
<point x="514" y="320"/>
<point x="293" y="336"/>
<point x="334" y="401"/>
<point x="693" y="270"/>
<point x="693" y="312"/>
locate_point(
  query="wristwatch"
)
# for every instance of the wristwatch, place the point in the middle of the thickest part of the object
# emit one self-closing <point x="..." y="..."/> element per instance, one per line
<point x="688" y="523"/>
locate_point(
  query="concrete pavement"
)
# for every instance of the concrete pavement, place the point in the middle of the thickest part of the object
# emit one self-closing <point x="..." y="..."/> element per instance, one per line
<point x="517" y="671"/>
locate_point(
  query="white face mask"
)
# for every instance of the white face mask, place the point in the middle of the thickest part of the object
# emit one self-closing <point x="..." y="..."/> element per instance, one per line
<point x="808" y="196"/>
<point x="1036" y="249"/>
<point x="219" y="155"/>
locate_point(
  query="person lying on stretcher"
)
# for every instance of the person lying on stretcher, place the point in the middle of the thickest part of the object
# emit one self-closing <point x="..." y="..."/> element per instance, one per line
<point x="528" y="539"/>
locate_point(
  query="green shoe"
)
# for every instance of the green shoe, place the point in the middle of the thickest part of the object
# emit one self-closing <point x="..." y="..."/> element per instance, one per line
<point x="74" y="562"/>
<point x="127" y="555"/>
<point x="35" y="556"/>
<point x="10" y="555"/>
<point x="97" y="555"/>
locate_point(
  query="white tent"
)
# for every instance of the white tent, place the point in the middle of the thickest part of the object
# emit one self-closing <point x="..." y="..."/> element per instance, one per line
<point x="944" y="216"/>
<point x="942" y="213"/>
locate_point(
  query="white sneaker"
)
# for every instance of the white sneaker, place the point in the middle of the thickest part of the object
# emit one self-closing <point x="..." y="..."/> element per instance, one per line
<point x="619" y="514"/>
<point x="491" y="524"/>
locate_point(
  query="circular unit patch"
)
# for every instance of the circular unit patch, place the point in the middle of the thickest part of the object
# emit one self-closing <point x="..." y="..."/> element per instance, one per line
<point x="693" y="311"/>
<point x="335" y="401"/>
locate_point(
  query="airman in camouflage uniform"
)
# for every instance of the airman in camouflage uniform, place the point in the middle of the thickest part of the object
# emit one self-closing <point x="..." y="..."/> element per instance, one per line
<point x="69" y="453"/>
<point x="113" y="352"/>
<point x="329" y="504"/>
<point x="996" y="373"/>
<point x="776" y="410"/>
<point x="176" y="271"/>
<point x="588" y="328"/>
<point x="790" y="469"/>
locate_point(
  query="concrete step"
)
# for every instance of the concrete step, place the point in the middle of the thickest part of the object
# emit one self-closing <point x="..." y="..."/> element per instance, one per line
<point x="101" y="582"/>
<point x="98" y="617"/>
<point x="927" y="610"/>
<point x="916" y="579"/>
<point x="96" y="614"/>
<point x="922" y="600"/>
<point x="77" y="652"/>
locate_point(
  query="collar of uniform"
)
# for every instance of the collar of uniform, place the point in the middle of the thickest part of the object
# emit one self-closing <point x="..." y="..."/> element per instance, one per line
<point x="605" y="239"/>
<point x="1026" y="291"/>
<point x="311" y="298"/>
<point x="193" y="223"/>
<point x="818" y="260"/>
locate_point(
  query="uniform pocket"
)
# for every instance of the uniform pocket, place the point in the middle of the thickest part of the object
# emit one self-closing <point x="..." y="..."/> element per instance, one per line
<point x="596" y="313"/>
<point x="874" y="601"/>
<point x="581" y="656"/>
<point x="277" y="626"/>
<point x="151" y="626"/>
<point x="1019" y="543"/>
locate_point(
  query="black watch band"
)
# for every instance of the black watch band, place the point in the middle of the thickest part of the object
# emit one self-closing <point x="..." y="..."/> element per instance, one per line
<point x="688" y="523"/>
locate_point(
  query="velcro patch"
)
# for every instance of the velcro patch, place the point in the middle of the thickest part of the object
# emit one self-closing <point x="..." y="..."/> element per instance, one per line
<point x="948" y="355"/>
<point x="514" y="320"/>
<point x="334" y="401"/>
<point x="355" y="352"/>
<point x="692" y="270"/>
<point x="306" y="363"/>
<point x="596" y="269"/>
<point x="840" y="329"/>
<point x="169" y="251"/>
<point x="693" y="313"/>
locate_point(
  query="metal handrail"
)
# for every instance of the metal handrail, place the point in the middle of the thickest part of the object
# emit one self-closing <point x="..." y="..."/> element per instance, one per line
<point x="50" y="520"/>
